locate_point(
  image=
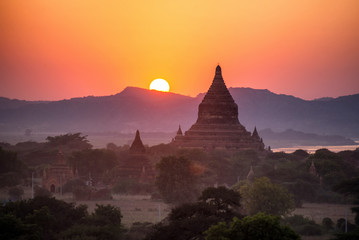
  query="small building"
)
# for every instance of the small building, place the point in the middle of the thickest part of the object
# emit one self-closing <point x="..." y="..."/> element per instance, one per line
<point x="56" y="175"/>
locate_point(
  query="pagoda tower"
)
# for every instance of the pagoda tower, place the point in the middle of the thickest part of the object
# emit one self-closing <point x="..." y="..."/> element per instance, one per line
<point x="217" y="125"/>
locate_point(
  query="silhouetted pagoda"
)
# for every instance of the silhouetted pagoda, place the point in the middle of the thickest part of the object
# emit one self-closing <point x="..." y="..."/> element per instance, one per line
<point x="137" y="165"/>
<point x="217" y="125"/>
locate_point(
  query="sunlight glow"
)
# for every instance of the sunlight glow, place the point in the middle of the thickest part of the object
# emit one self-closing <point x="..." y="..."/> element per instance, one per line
<point x="160" y="85"/>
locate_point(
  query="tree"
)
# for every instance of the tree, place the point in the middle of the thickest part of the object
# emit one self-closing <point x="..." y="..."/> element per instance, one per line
<point x="104" y="223"/>
<point x="222" y="198"/>
<point x="72" y="141"/>
<point x="190" y="220"/>
<point x="12" y="170"/>
<point x="260" y="226"/>
<point x="176" y="181"/>
<point x="94" y="161"/>
<point x="42" y="215"/>
<point x="349" y="187"/>
<point x="264" y="196"/>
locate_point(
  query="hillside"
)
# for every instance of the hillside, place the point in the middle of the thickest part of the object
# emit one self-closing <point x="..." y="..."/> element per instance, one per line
<point x="151" y="111"/>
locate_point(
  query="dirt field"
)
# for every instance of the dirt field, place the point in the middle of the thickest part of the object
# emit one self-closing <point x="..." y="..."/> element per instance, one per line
<point x="143" y="209"/>
<point x="134" y="208"/>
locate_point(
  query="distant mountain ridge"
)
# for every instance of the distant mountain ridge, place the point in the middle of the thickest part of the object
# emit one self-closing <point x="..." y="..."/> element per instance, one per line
<point x="150" y="111"/>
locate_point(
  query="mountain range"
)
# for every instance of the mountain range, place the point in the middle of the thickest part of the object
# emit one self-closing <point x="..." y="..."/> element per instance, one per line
<point x="152" y="111"/>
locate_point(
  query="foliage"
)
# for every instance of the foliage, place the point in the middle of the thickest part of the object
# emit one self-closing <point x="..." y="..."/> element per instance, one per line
<point x="104" y="223"/>
<point x="12" y="170"/>
<point x="303" y="225"/>
<point x="73" y="141"/>
<point x="48" y="218"/>
<point x="332" y="167"/>
<point x="93" y="161"/>
<point x="175" y="180"/>
<point x="354" y="235"/>
<point x="356" y="211"/>
<point x="41" y="192"/>
<point x="12" y="227"/>
<point x="190" y="220"/>
<point x="348" y="187"/>
<point x="264" y="196"/>
<point x="297" y="220"/>
<point x="328" y="223"/>
<point x="340" y="226"/>
<point x="302" y="191"/>
<point x="9" y="162"/>
<point x="260" y="226"/>
<point x="45" y="216"/>
<point x="221" y="198"/>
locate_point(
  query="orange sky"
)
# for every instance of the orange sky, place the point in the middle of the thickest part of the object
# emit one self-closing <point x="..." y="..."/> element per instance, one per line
<point x="58" y="49"/>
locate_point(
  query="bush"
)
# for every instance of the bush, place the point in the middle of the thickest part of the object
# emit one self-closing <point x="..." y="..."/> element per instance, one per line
<point x="298" y="220"/>
<point x="303" y="225"/>
<point x="41" y="192"/>
<point x="328" y="223"/>
<point x="309" y="230"/>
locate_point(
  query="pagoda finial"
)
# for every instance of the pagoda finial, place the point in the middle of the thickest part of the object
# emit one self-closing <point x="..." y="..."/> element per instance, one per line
<point x="218" y="71"/>
<point x="179" y="132"/>
<point x="255" y="133"/>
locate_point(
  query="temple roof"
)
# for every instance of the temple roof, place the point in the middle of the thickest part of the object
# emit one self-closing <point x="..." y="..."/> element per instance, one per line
<point x="137" y="145"/>
<point x="218" y="105"/>
<point x="217" y="125"/>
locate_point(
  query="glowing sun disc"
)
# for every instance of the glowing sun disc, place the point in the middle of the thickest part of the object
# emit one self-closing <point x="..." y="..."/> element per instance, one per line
<point x="160" y="85"/>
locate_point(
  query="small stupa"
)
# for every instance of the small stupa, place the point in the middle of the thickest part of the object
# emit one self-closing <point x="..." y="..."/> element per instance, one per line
<point x="137" y="165"/>
<point x="137" y="146"/>
<point x="217" y="125"/>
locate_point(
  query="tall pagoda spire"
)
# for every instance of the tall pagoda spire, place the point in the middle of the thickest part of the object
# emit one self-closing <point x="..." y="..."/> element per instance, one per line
<point x="217" y="125"/>
<point x="179" y="132"/>
<point x="137" y="145"/>
<point x="218" y="105"/>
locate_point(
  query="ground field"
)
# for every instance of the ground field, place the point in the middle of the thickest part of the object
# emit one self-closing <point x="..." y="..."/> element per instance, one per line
<point x="134" y="208"/>
<point x="141" y="208"/>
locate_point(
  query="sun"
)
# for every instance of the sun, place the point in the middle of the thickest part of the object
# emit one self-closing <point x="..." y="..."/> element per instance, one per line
<point x="160" y="84"/>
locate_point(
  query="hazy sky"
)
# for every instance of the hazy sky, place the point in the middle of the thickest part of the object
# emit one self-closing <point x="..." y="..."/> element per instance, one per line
<point x="56" y="49"/>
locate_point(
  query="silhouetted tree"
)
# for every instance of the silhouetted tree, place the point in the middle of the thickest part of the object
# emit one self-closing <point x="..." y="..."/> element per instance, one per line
<point x="176" y="181"/>
<point x="190" y="220"/>
<point x="264" y="196"/>
<point x="73" y="141"/>
<point x="93" y="161"/>
<point x="260" y="226"/>
<point x="12" y="170"/>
